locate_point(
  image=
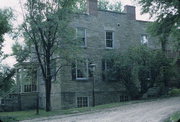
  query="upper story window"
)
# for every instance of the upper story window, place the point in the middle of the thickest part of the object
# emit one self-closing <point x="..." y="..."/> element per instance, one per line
<point x="80" y="70"/>
<point x="109" y="39"/>
<point x="81" y="36"/>
<point x="107" y="67"/>
<point x="144" y="39"/>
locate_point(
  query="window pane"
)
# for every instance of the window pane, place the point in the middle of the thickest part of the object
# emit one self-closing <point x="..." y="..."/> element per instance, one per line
<point x="81" y="36"/>
<point x="109" y="64"/>
<point x="144" y="39"/>
<point x="82" y="102"/>
<point x="82" y="69"/>
<point x="108" y="35"/>
<point x="109" y="43"/>
<point x="109" y="39"/>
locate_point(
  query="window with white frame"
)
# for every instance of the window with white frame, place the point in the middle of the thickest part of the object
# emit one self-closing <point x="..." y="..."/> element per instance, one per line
<point x="29" y="78"/>
<point x="81" y="36"/>
<point x="81" y="69"/>
<point x="82" y="102"/>
<point x="109" y="39"/>
<point x="144" y="39"/>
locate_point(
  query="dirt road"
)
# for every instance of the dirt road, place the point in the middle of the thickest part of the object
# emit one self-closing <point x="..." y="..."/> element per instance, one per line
<point x="154" y="111"/>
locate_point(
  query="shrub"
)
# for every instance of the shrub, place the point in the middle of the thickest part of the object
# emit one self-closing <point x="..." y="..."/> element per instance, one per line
<point x="174" y="91"/>
<point x="8" y="119"/>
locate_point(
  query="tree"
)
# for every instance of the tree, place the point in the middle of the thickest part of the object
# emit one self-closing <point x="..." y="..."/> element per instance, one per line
<point x="6" y="74"/>
<point x="6" y="79"/>
<point x="46" y="30"/>
<point x="80" y="7"/>
<point x="167" y="22"/>
<point x="106" y="5"/>
<point x="5" y="25"/>
<point x="140" y="68"/>
<point x="21" y="53"/>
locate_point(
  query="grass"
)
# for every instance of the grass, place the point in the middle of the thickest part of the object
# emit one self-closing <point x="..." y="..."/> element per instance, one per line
<point x="174" y="117"/>
<point x="31" y="114"/>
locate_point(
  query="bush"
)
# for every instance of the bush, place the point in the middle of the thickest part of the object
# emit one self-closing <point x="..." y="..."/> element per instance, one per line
<point x="174" y="118"/>
<point x="8" y="119"/>
<point x="174" y="92"/>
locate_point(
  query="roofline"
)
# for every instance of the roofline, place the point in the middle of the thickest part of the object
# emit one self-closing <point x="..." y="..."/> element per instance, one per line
<point x="116" y="12"/>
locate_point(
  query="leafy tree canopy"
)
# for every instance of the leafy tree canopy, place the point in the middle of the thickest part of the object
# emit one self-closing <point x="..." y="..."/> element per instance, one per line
<point x="81" y="6"/>
<point x="167" y="22"/>
<point x="6" y="79"/>
<point x="5" y="25"/>
<point x="46" y="29"/>
<point x="20" y="52"/>
<point x="140" y="68"/>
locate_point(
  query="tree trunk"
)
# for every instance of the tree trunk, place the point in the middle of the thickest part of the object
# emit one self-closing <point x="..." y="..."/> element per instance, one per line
<point x="48" y="95"/>
<point x="48" y="79"/>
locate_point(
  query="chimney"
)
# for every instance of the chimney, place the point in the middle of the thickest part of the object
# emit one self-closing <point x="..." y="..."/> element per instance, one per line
<point x="131" y="12"/>
<point x="92" y="7"/>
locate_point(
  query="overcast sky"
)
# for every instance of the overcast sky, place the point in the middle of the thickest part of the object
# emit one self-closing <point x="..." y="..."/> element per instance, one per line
<point x="14" y="4"/>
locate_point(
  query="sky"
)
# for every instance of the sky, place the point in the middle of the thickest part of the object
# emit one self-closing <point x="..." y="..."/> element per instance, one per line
<point x="15" y="5"/>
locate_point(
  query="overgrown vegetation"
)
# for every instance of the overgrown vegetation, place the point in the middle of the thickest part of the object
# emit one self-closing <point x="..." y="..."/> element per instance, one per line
<point x="174" y="117"/>
<point x="174" y="92"/>
<point x="48" y="35"/>
<point x="6" y="74"/>
<point x="81" y="6"/>
<point x="5" y="25"/>
<point x="6" y="79"/>
<point x="167" y="13"/>
<point x="140" y="69"/>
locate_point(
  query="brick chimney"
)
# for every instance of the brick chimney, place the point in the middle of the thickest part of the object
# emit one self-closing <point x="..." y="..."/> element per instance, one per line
<point x="131" y="12"/>
<point x="92" y="7"/>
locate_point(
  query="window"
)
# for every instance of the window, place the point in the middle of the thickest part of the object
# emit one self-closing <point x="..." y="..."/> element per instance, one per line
<point x="28" y="76"/>
<point x="81" y="36"/>
<point x="144" y="39"/>
<point x="82" y="102"/>
<point x="80" y="70"/>
<point x="30" y="88"/>
<point x="124" y="98"/>
<point x="109" y="39"/>
<point x="107" y="67"/>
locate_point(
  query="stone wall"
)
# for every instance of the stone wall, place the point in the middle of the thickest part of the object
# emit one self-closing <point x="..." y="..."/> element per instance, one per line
<point x="28" y="101"/>
<point x="127" y="33"/>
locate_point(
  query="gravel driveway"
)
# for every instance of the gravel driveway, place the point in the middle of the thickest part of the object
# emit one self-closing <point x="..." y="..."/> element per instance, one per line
<point x="154" y="111"/>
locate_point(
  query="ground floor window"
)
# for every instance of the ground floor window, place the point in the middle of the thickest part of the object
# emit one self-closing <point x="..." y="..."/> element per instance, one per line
<point x="124" y="98"/>
<point x="30" y="88"/>
<point x="82" y="102"/>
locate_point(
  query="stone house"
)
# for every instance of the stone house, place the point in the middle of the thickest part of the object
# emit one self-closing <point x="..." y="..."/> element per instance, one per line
<point x="100" y="32"/>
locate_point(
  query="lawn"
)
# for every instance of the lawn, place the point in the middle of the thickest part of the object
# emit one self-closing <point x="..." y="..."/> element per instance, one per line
<point x="31" y="114"/>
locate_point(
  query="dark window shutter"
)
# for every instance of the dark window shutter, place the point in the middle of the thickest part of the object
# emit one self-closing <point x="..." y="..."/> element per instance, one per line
<point x="73" y="71"/>
<point x="103" y="69"/>
<point x="90" y="69"/>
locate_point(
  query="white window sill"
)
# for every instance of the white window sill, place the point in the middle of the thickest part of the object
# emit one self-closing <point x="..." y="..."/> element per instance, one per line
<point x="83" y="46"/>
<point x="81" y="78"/>
<point x="109" y="48"/>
